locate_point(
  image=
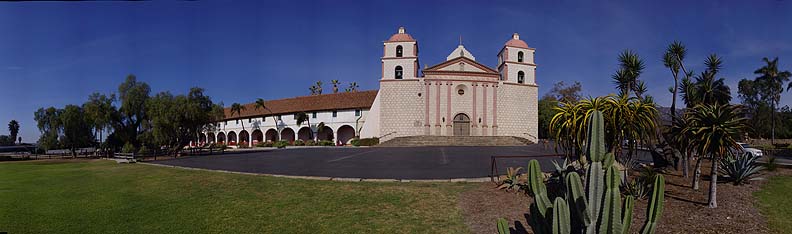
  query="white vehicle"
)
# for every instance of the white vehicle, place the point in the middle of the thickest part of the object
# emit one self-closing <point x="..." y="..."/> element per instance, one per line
<point x="746" y="148"/>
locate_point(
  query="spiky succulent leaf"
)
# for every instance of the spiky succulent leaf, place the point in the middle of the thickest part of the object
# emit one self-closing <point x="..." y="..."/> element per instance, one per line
<point x="503" y="226"/>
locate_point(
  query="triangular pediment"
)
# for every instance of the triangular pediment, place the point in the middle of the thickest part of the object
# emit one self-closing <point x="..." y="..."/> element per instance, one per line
<point x="460" y="64"/>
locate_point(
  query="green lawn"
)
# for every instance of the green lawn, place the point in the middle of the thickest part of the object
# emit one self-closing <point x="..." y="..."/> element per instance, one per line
<point x="776" y="204"/>
<point x="105" y="197"/>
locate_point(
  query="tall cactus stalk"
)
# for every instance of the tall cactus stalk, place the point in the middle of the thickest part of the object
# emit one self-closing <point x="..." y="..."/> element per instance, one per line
<point x="599" y="209"/>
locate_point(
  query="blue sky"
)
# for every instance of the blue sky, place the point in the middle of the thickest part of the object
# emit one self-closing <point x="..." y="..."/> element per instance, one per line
<point x="53" y="54"/>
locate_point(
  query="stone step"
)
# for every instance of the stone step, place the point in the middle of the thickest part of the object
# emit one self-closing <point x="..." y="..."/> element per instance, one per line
<point x="456" y="141"/>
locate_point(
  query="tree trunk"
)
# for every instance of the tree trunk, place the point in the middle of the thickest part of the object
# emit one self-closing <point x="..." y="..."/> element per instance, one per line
<point x="673" y="99"/>
<point x="772" y="140"/>
<point x="685" y="166"/>
<point x="697" y="173"/>
<point x="713" y="191"/>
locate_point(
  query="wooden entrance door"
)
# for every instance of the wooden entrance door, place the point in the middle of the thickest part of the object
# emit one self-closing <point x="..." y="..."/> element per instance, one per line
<point x="461" y="125"/>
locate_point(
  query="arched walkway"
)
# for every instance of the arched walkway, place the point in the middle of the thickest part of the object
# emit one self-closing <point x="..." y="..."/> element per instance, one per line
<point x="325" y="133"/>
<point x="211" y="137"/>
<point x="232" y="138"/>
<point x="201" y="139"/>
<point x="221" y="138"/>
<point x="244" y="137"/>
<point x="461" y="125"/>
<point x="287" y="134"/>
<point x="304" y="134"/>
<point x="272" y="135"/>
<point x="345" y="134"/>
<point x="257" y="136"/>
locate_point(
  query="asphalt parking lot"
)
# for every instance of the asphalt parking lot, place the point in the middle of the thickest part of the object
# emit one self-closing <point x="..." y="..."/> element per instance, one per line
<point x="374" y="163"/>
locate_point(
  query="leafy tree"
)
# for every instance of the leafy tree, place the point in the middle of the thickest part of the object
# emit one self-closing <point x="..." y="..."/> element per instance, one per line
<point x="100" y="110"/>
<point x="757" y="109"/>
<point x="547" y="109"/>
<point x="48" y="122"/>
<point x="76" y="129"/>
<point x="130" y="120"/>
<point x="715" y="130"/>
<point x="6" y="140"/>
<point x="13" y="128"/>
<point x="335" y="86"/>
<point x="177" y="120"/>
<point x="566" y="93"/>
<point x="774" y="81"/>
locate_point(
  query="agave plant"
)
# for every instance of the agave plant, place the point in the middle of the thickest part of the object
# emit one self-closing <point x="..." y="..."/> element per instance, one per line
<point x="513" y="180"/>
<point x="740" y="168"/>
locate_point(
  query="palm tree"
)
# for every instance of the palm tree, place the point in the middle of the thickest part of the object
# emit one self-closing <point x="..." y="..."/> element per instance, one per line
<point x="630" y="68"/>
<point x="679" y="136"/>
<point x="708" y="88"/>
<point x="353" y="86"/>
<point x="302" y="117"/>
<point x="13" y="128"/>
<point x="335" y="86"/>
<point x="261" y="104"/>
<point x="672" y="59"/>
<point x="238" y="108"/>
<point x="775" y="81"/>
<point x="715" y="130"/>
<point x="318" y="87"/>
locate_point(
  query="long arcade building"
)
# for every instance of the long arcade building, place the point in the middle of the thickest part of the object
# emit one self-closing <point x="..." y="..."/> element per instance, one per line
<point x="458" y="97"/>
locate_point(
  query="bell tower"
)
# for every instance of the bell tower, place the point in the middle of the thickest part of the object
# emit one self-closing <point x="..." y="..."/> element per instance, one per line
<point x="400" y="57"/>
<point x="516" y="62"/>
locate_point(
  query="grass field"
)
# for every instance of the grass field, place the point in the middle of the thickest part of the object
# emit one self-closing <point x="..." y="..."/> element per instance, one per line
<point x="776" y="204"/>
<point x="105" y="197"/>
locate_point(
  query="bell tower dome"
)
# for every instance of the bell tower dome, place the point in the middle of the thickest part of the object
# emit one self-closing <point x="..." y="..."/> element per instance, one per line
<point x="400" y="57"/>
<point x="516" y="62"/>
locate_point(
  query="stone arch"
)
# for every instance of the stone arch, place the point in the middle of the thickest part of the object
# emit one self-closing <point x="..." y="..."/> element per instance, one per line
<point x="287" y="134"/>
<point x="520" y="77"/>
<point x="461" y="125"/>
<point x="399" y="51"/>
<point x="201" y="138"/>
<point x="211" y="137"/>
<point x="326" y="133"/>
<point x="221" y="137"/>
<point x="345" y="134"/>
<point x="520" y="56"/>
<point x="304" y="134"/>
<point x="244" y="137"/>
<point x="232" y="137"/>
<point x="271" y="135"/>
<point x="399" y="72"/>
<point x="257" y="136"/>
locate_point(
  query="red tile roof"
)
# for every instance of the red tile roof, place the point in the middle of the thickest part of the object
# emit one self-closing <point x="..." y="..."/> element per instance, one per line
<point x="336" y="101"/>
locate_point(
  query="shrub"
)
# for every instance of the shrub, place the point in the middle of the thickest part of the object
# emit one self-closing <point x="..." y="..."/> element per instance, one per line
<point x="144" y="150"/>
<point x="298" y="143"/>
<point x="243" y="145"/>
<point x="310" y="143"/>
<point x="326" y="143"/>
<point x="772" y="164"/>
<point x="280" y="144"/>
<point x="739" y="168"/>
<point x="128" y="148"/>
<point x="263" y="144"/>
<point x="514" y="180"/>
<point x="365" y="141"/>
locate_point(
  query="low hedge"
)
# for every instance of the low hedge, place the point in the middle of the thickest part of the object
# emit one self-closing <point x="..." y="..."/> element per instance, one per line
<point x="326" y="143"/>
<point x="281" y="144"/>
<point x="365" y="141"/>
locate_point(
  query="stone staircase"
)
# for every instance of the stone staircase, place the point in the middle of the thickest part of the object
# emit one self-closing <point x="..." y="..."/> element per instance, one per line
<point x="455" y="141"/>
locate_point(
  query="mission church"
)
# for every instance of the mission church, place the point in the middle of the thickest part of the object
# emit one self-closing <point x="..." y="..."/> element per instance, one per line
<point x="458" y="97"/>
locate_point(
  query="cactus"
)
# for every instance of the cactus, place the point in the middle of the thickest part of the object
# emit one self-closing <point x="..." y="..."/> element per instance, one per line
<point x="561" y="221"/>
<point x="655" y="209"/>
<point x="599" y="209"/>
<point x="503" y="226"/>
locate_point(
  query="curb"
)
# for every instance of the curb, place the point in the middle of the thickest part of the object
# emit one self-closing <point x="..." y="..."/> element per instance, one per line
<point x="340" y="179"/>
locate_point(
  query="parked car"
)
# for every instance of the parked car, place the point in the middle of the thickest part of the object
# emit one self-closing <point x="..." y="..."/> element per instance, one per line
<point x="746" y="148"/>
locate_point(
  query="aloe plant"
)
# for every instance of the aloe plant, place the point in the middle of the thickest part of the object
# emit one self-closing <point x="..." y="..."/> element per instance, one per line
<point x="597" y="210"/>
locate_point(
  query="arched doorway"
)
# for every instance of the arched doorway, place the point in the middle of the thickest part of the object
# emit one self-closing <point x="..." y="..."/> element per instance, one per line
<point x="221" y="137"/>
<point x="345" y="134"/>
<point x="210" y="137"/>
<point x="271" y="135"/>
<point x="304" y="134"/>
<point x="201" y="139"/>
<point x="244" y="137"/>
<point x="287" y="134"/>
<point x="232" y="138"/>
<point x="461" y="125"/>
<point x="257" y="136"/>
<point x="325" y="134"/>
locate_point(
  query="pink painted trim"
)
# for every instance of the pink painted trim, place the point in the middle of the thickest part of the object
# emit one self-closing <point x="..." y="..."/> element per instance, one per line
<point x="415" y="66"/>
<point x="383" y="70"/>
<point x="484" y="123"/>
<point x="479" y="81"/>
<point x="494" y="109"/>
<point x="426" y="95"/>
<point x="415" y="49"/>
<point x="505" y="72"/>
<point x="475" y="119"/>
<point x="437" y="115"/>
<point x="448" y="105"/>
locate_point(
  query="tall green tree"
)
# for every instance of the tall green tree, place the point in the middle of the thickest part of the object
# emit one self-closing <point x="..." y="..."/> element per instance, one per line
<point x="130" y="120"/>
<point x="48" y="122"/>
<point x="100" y="110"/>
<point x="177" y="120"/>
<point x="774" y="81"/>
<point x="715" y="130"/>
<point x="77" y="131"/>
<point x="13" y="128"/>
